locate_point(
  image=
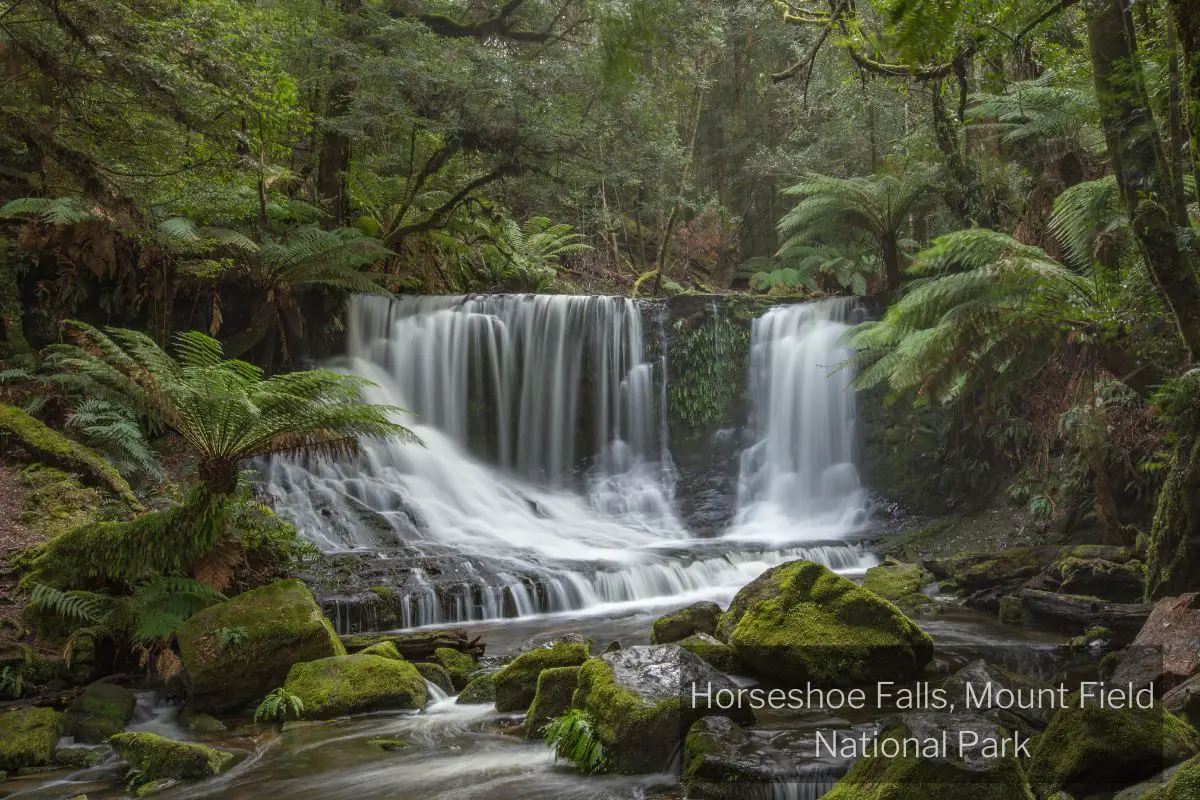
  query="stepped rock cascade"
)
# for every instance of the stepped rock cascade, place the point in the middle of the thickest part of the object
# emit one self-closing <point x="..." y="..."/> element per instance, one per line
<point x="799" y="480"/>
<point x="543" y="482"/>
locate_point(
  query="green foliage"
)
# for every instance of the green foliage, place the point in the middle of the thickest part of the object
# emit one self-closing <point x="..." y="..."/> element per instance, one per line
<point x="227" y="411"/>
<point x="279" y="705"/>
<point x="232" y="637"/>
<point x="573" y="738"/>
<point x="12" y="682"/>
<point x="1044" y="119"/>
<point x="706" y="357"/>
<point x="52" y="211"/>
<point x="1090" y="222"/>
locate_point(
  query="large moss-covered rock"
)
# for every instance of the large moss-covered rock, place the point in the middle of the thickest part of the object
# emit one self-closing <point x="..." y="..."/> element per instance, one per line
<point x="481" y="689"/>
<point x="895" y="579"/>
<point x="718" y="654"/>
<point x="802" y="622"/>
<point x="284" y="626"/>
<point x="28" y="737"/>
<point x="338" y="685"/>
<point x="699" y="617"/>
<point x="100" y="711"/>
<point x="1183" y="785"/>
<point x="1089" y="748"/>
<point x="435" y="674"/>
<point x="516" y="683"/>
<point x="459" y="665"/>
<point x="722" y="762"/>
<point x="158" y="757"/>
<point x="643" y="700"/>
<point x="972" y="773"/>
<point x="555" y="688"/>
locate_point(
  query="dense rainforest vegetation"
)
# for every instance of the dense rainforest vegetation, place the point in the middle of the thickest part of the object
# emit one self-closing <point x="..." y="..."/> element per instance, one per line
<point x="190" y="190"/>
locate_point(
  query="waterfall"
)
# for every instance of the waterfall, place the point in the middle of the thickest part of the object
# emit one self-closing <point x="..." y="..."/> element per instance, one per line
<point x="543" y="482"/>
<point x="798" y="480"/>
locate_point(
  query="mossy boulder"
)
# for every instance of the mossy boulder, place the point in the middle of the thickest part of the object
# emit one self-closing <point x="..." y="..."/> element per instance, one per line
<point x="158" y="757"/>
<point x="718" y="654"/>
<point x="802" y="622"/>
<point x="460" y="665"/>
<point x="100" y="711"/>
<point x="284" y="626"/>
<point x="953" y="774"/>
<point x="555" y="688"/>
<point x="990" y="690"/>
<point x="722" y="762"/>
<point x="699" y="617"/>
<point x="196" y="722"/>
<point x="435" y="674"/>
<point x="28" y="737"/>
<point x="895" y="579"/>
<point x="644" y="699"/>
<point x="516" y="683"/>
<point x="339" y="685"/>
<point x="1183" y="785"/>
<point x="1096" y="577"/>
<point x="385" y="649"/>
<point x="79" y="757"/>
<point x="1088" y="748"/>
<point x="974" y="571"/>
<point x="481" y="689"/>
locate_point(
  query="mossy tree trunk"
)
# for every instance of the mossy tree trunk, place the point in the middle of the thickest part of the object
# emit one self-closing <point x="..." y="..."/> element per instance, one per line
<point x="1173" y="564"/>
<point x="1187" y="27"/>
<point x="11" y="311"/>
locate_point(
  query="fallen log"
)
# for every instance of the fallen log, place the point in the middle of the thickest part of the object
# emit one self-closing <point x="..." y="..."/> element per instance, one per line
<point x="419" y="645"/>
<point x="1075" y="613"/>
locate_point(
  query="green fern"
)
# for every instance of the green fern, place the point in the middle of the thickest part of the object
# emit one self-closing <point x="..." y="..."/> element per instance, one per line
<point x="53" y="211"/>
<point x="232" y="638"/>
<point x="12" y="682"/>
<point x="73" y="606"/>
<point x="279" y="705"/>
<point x="1042" y="119"/>
<point x="1089" y="218"/>
<point x="529" y="255"/>
<point x="573" y="738"/>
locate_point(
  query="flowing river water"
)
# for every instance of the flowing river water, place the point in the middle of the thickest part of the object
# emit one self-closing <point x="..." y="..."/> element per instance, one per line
<point x="544" y="485"/>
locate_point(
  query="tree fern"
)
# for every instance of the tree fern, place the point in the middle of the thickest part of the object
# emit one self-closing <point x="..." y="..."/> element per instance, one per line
<point x="226" y="410"/>
<point x="1043" y="118"/>
<point x="53" y="211"/>
<point x="1088" y="219"/>
<point x="529" y="254"/>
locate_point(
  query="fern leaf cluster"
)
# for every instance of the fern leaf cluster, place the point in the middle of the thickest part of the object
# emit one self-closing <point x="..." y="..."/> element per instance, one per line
<point x="573" y="738"/>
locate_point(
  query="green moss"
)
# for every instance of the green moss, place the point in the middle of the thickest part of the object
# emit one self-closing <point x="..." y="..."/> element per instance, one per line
<point x="1183" y="785"/>
<point x="56" y="502"/>
<point x="516" y="683"/>
<point x="458" y="664"/>
<point x="388" y="743"/>
<point x="895" y="580"/>
<point x="28" y="737"/>
<point x="385" y="649"/>
<point x="102" y="710"/>
<point x="79" y="757"/>
<point x="154" y="787"/>
<point x="801" y="622"/>
<point x="481" y="689"/>
<point x="383" y="592"/>
<point x="1093" y="748"/>
<point x="284" y="626"/>
<point x="51" y="447"/>
<point x="437" y="675"/>
<point x="200" y="723"/>
<point x="338" y="685"/>
<point x="916" y="778"/>
<point x="157" y="757"/>
<point x="719" y="655"/>
<point x="697" y="618"/>
<point x="555" y="688"/>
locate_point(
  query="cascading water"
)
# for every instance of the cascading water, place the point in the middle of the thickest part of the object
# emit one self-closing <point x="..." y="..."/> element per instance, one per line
<point x="543" y="482"/>
<point x="798" y="480"/>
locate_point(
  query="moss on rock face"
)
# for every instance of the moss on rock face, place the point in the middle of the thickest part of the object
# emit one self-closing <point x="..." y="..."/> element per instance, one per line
<point x="481" y="689"/>
<point x="200" y="723"/>
<point x="802" y="622"/>
<point x="158" y="757"/>
<point x="974" y="571"/>
<point x="955" y="775"/>
<point x="458" y="664"/>
<point x="699" y="617"/>
<point x="102" y="710"/>
<point x="384" y="649"/>
<point x="719" y="655"/>
<point x="1183" y="785"/>
<point x="895" y="579"/>
<point x="516" y="683"/>
<point x="284" y="626"/>
<point x="641" y="702"/>
<point x="338" y="685"/>
<point x="435" y="674"/>
<point x="28" y="737"/>
<point x="555" y="688"/>
<point x="1090" y="748"/>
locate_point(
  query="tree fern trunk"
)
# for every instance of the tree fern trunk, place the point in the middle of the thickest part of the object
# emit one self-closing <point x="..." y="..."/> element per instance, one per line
<point x="890" y="246"/>
<point x="1173" y="564"/>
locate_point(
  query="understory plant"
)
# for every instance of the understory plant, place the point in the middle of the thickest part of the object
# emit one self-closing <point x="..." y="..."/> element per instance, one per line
<point x="573" y="738"/>
<point x="279" y="705"/>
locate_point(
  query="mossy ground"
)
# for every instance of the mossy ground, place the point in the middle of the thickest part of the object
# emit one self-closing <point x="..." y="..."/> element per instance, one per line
<point x="339" y="685"/>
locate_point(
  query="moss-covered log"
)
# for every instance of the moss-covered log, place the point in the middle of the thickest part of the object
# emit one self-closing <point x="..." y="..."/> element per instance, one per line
<point x="48" y="446"/>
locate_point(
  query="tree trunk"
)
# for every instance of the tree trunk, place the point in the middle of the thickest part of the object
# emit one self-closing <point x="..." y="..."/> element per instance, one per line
<point x="334" y="161"/>
<point x="1139" y="160"/>
<point x="11" y="310"/>
<point x="1187" y="28"/>
<point x="1173" y="563"/>
<point x="889" y="244"/>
